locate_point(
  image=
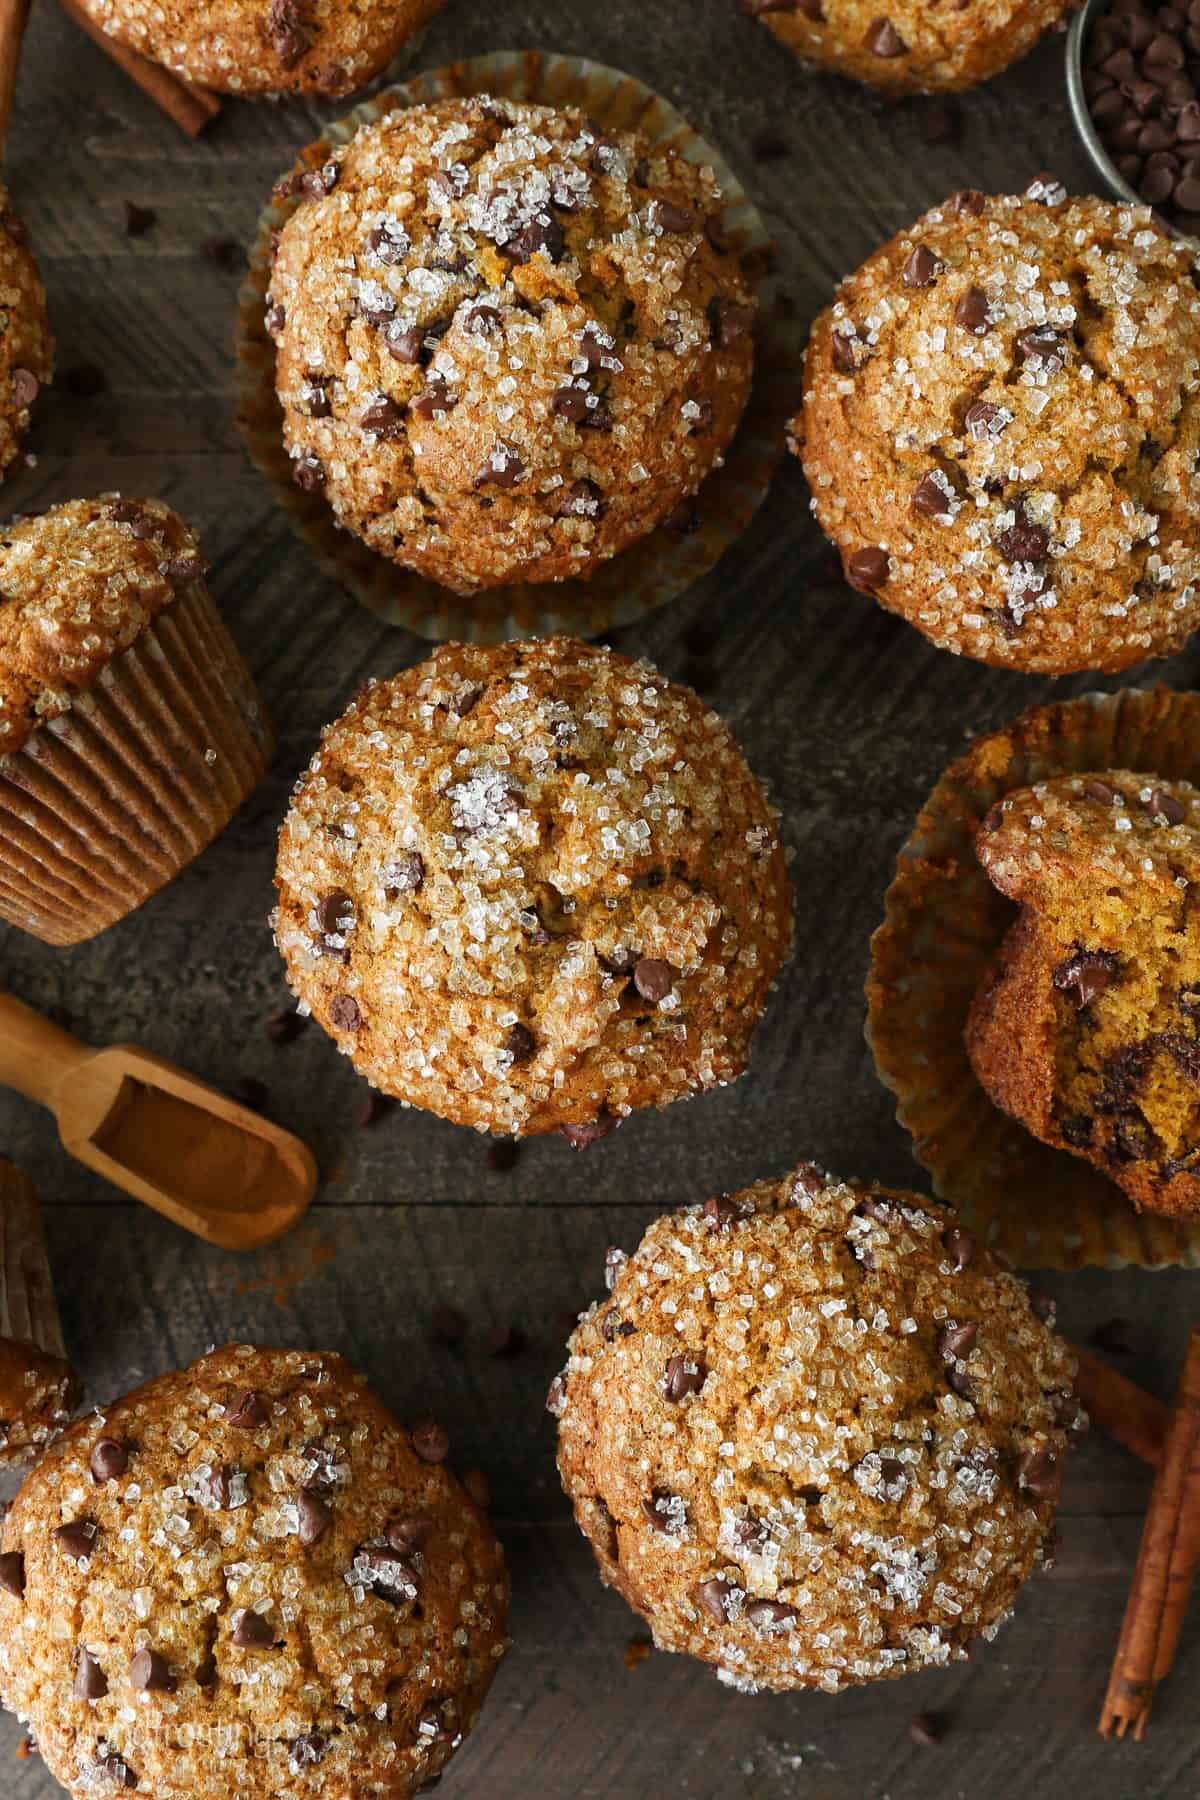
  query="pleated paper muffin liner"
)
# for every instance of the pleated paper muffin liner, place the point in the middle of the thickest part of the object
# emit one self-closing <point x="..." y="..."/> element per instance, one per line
<point x="107" y="803"/>
<point x="943" y="927"/>
<point x="646" y="575"/>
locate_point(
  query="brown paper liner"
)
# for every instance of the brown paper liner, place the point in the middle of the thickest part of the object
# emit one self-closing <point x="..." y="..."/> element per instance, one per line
<point x="105" y="805"/>
<point x="649" y="573"/>
<point x="38" y="1387"/>
<point x="943" y="926"/>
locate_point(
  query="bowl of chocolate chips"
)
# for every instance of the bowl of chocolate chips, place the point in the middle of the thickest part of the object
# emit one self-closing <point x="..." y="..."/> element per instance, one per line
<point x="1133" y="73"/>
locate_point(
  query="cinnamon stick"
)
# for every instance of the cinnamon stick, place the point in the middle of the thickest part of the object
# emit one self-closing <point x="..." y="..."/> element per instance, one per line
<point x="13" y="17"/>
<point x="1166" y="1564"/>
<point x="1120" y="1408"/>
<point x="191" y="107"/>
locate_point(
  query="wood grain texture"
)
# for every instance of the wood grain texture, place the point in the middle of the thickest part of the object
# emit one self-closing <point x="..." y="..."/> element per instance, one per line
<point x="846" y="712"/>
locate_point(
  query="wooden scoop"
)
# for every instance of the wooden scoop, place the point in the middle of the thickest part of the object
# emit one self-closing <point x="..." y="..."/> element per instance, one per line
<point x="179" y="1146"/>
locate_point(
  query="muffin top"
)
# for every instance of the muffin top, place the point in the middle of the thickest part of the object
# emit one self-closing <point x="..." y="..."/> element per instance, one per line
<point x="1079" y="830"/>
<point x="267" y="46"/>
<point x="26" y="347"/>
<point x="507" y="345"/>
<point x="77" y="585"/>
<point x="906" y="47"/>
<point x="248" y="1577"/>
<point x="38" y="1394"/>
<point x="532" y="886"/>
<point x="815" y="1434"/>
<point x="1001" y="428"/>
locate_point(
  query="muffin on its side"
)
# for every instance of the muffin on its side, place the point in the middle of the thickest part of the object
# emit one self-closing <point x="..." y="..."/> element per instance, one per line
<point x="532" y="887"/>
<point x="26" y="346"/>
<point x="272" y="1589"/>
<point x="130" y="730"/>
<point x="507" y="346"/>
<point x="1001" y="428"/>
<point x="267" y="46"/>
<point x="907" y="47"/>
<point x="815" y="1435"/>
<point x="1087" y="1029"/>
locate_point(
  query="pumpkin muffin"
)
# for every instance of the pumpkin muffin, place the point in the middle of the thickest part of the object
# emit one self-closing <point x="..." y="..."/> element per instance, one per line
<point x="1001" y="427"/>
<point x="130" y="730"/>
<point x="267" y="46"/>
<point x="533" y="886"/>
<point x="248" y="1578"/>
<point x="815" y="1434"/>
<point x="909" y="48"/>
<point x="26" y="346"/>
<point x="1087" y="1029"/>
<point x="507" y="346"/>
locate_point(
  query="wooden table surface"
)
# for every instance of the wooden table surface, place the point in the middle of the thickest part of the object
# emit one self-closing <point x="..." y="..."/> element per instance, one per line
<point x="847" y="713"/>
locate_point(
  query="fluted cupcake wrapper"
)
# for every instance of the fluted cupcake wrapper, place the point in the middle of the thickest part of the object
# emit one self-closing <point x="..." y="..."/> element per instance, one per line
<point x="107" y="803"/>
<point x="944" y="924"/>
<point x="646" y="575"/>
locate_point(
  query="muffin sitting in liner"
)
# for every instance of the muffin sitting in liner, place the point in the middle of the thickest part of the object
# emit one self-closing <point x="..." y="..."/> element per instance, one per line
<point x="1001" y="428"/>
<point x="533" y="887"/>
<point x="1087" y="1029"/>
<point x="507" y="346"/>
<point x="130" y="730"/>
<point x="267" y="46"/>
<point x="910" y="48"/>
<point x="248" y="1578"/>
<point x="815" y="1434"/>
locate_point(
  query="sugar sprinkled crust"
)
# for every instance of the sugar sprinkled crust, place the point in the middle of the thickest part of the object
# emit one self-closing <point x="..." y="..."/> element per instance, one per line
<point x="506" y="346"/>
<point x="1001" y="426"/>
<point x="906" y="47"/>
<point x="78" y="583"/>
<point x="267" y="46"/>
<point x="533" y="886"/>
<point x="245" y="1578"/>
<point x="38" y="1394"/>
<point x="1087" y="1027"/>
<point x="814" y="1434"/>
<point x="26" y="346"/>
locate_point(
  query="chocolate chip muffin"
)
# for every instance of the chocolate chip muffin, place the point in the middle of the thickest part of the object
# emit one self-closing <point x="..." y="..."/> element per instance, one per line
<point x="130" y="730"/>
<point x="26" y="346"/>
<point x="910" y="48"/>
<point x="507" y="346"/>
<point x="248" y="1577"/>
<point x="267" y="46"/>
<point x="1087" y="1028"/>
<point x="814" y="1434"/>
<point x="1001" y="426"/>
<point x="531" y="887"/>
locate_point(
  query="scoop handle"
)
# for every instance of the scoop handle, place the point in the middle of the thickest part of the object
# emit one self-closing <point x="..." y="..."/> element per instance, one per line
<point x="35" y="1056"/>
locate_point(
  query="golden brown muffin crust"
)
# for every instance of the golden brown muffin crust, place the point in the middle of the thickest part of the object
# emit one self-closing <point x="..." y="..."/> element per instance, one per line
<point x="38" y="1394"/>
<point x="26" y="346"/>
<point x="1001" y="427"/>
<point x="814" y="1434"/>
<point x="533" y="886"/>
<point x="247" y="1577"/>
<point x="77" y="585"/>
<point x="1087" y="1028"/>
<point x="506" y="346"/>
<point x="267" y="46"/>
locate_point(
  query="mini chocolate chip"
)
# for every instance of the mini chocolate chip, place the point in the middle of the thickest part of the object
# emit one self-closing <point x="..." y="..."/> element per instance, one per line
<point x="1100" y="790"/>
<point x="12" y="1574"/>
<point x="985" y="420"/>
<point x="382" y="418"/>
<point x="930" y="498"/>
<point x="25" y="387"/>
<point x="77" y="1539"/>
<point x="1023" y="542"/>
<point x="1164" y="807"/>
<point x="429" y="1441"/>
<point x="316" y="183"/>
<point x="435" y="399"/>
<point x="921" y="269"/>
<point x="405" y="342"/>
<point x="972" y="312"/>
<point x="653" y="978"/>
<point x="251" y="1631"/>
<point x="665" y="1511"/>
<point x="712" y="1595"/>
<point x="316" y="401"/>
<point x="967" y="201"/>
<point x="249" y="1412"/>
<point x="543" y="235"/>
<point x="520" y="1045"/>
<point x="730" y="322"/>
<point x="719" y="1213"/>
<point x="770" y="1615"/>
<point x="1086" y="974"/>
<point x="483" y="321"/>
<point x="308" y="473"/>
<point x="387" y="1574"/>
<point x="110" y="1459"/>
<point x="868" y="569"/>
<point x="960" y="1247"/>
<point x="570" y="403"/>
<point x="581" y="1136"/>
<point x="613" y="1326"/>
<point x="844" y="349"/>
<point x="315" y="1518"/>
<point x="884" y="40"/>
<point x="345" y="1012"/>
<point x="434" y="1723"/>
<point x="115" y="1769"/>
<point x="1040" y="1472"/>
<point x="703" y="418"/>
<point x="685" y="1375"/>
<point x="285" y="28"/>
<point x="956" y="1340"/>
<point x="410" y="1534"/>
<point x="503" y="469"/>
<point x="306" y="1752"/>
<point x="1042" y="344"/>
<point x="149" y="1674"/>
<point x="672" y="220"/>
<point x="925" y="1731"/>
<point x="582" y="500"/>
<point x="91" y="1683"/>
<point x="275" y="318"/>
<point x="388" y="243"/>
